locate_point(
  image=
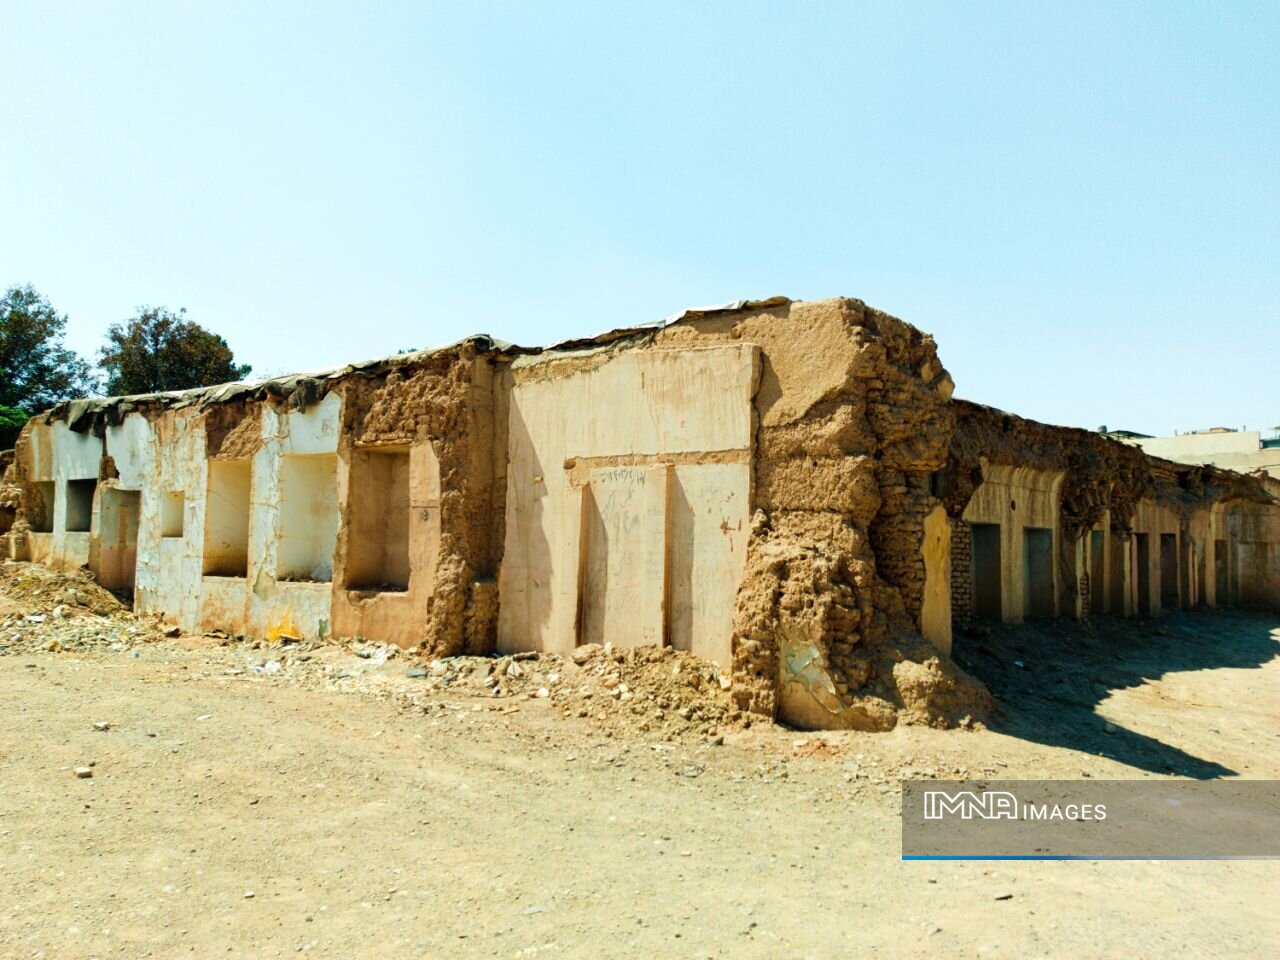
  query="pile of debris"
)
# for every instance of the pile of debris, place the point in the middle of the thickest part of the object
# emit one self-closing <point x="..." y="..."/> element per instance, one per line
<point x="655" y="691"/>
<point x="41" y="609"/>
<point x="652" y="690"/>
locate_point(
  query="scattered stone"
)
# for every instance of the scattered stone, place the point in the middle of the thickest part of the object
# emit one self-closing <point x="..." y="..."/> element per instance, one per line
<point x="84" y="773"/>
<point x="1003" y="896"/>
<point x="415" y="672"/>
<point x="101" y="726"/>
<point x="1109" y="727"/>
<point x="174" y="631"/>
<point x="585" y="652"/>
<point x="248" y="894"/>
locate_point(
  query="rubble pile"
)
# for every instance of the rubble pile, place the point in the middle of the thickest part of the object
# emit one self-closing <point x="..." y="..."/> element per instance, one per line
<point x="655" y="691"/>
<point x="44" y="610"/>
<point x="652" y="691"/>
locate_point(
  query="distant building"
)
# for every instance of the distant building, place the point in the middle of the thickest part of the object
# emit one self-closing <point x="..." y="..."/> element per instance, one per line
<point x="1241" y="450"/>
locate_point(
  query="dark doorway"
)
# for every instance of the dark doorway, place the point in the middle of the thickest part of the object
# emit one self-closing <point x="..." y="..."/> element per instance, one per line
<point x="1037" y="572"/>
<point x="1142" y="560"/>
<point x="1201" y="561"/>
<point x="986" y="570"/>
<point x="1222" y="595"/>
<point x="1169" y="570"/>
<point x="1097" y="566"/>
<point x="1119" y="547"/>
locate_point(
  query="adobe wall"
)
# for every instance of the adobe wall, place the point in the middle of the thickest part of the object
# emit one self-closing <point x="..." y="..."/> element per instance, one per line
<point x="852" y="417"/>
<point x="628" y="499"/>
<point x="1134" y="535"/>
<point x="254" y="514"/>
<point x="785" y="489"/>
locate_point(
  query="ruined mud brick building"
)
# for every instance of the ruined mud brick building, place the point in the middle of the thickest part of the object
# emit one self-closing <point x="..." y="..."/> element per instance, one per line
<point x="786" y="489"/>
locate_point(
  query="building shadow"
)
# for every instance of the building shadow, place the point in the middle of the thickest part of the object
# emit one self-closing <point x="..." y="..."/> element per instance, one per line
<point x="1048" y="677"/>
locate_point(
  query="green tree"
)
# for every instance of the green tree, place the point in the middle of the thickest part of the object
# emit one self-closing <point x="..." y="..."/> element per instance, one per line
<point x="37" y="369"/>
<point x="158" y="350"/>
<point x="11" y="421"/>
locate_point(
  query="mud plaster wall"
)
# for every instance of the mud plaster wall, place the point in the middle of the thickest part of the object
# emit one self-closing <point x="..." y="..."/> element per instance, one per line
<point x="814" y="529"/>
<point x="1254" y="532"/>
<point x="443" y="403"/>
<point x="628" y="497"/>
<point x="440" y="413"/>
<point x="10" y="500"/>
<point x="1017" y="498"/>
<point x="852" y="417"/>
<point x="1104" y="482"/>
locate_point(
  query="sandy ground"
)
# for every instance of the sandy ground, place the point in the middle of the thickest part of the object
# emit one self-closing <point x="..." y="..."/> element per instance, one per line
<point x="246" y="814"/>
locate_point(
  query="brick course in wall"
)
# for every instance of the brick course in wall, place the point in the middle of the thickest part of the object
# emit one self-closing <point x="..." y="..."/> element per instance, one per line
<point x="961" y="572"/>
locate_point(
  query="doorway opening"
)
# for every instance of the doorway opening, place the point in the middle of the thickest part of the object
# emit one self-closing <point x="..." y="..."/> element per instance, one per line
<point x="308" y="517"/>
<point x="1169" y="570"/>
<point x="1142" y="561"/>
<point x="1222" y="595"/>
<point x="226" y="519"/>
<point x="378" y="514"/>
<point x="986" y="570"/>
<point x="80" y="505"/>
<point x="118" y="540"/>
<point x="1037" y="572"/>
<point x="1097" y="568"/>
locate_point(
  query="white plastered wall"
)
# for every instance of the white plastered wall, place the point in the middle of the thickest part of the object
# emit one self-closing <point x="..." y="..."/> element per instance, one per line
<point x="169" y="456"/>
<point x="278" y="607"/>
<point x="59" y="454"/>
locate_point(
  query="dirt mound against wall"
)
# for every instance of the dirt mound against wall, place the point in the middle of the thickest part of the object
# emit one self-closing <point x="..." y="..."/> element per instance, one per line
<point x="656" y="691"/>
<point x="41" y="609"/>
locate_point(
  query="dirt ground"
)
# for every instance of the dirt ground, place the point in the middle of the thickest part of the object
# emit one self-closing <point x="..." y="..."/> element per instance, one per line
<point x="334" y="805"/>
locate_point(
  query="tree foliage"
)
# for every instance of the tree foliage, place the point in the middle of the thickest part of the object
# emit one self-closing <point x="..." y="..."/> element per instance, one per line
<point x="11" y="421"/>
<point x="37" y="370"/>
<point x="158" y="350"/>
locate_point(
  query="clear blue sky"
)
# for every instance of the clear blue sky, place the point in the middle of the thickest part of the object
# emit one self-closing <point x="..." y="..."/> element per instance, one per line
<point x="1080" y="201"/>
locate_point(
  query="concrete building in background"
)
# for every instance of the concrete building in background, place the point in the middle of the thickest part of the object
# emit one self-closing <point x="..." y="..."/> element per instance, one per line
<point x="1242" y="450"/>
<point x="785" y="489"/>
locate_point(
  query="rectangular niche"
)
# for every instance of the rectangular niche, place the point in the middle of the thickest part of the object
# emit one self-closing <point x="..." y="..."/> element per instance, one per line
<point x="45" y="523"/>
<point x="173" y="507"/>
<point x="378" y="514"/>
<point x="80" y="505"/>
<point x="308" y="517"/>
<point x="226" y="519"/>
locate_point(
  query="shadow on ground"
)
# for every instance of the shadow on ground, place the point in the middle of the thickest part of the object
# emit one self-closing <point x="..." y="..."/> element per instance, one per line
<point x="1049" y="677"/>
